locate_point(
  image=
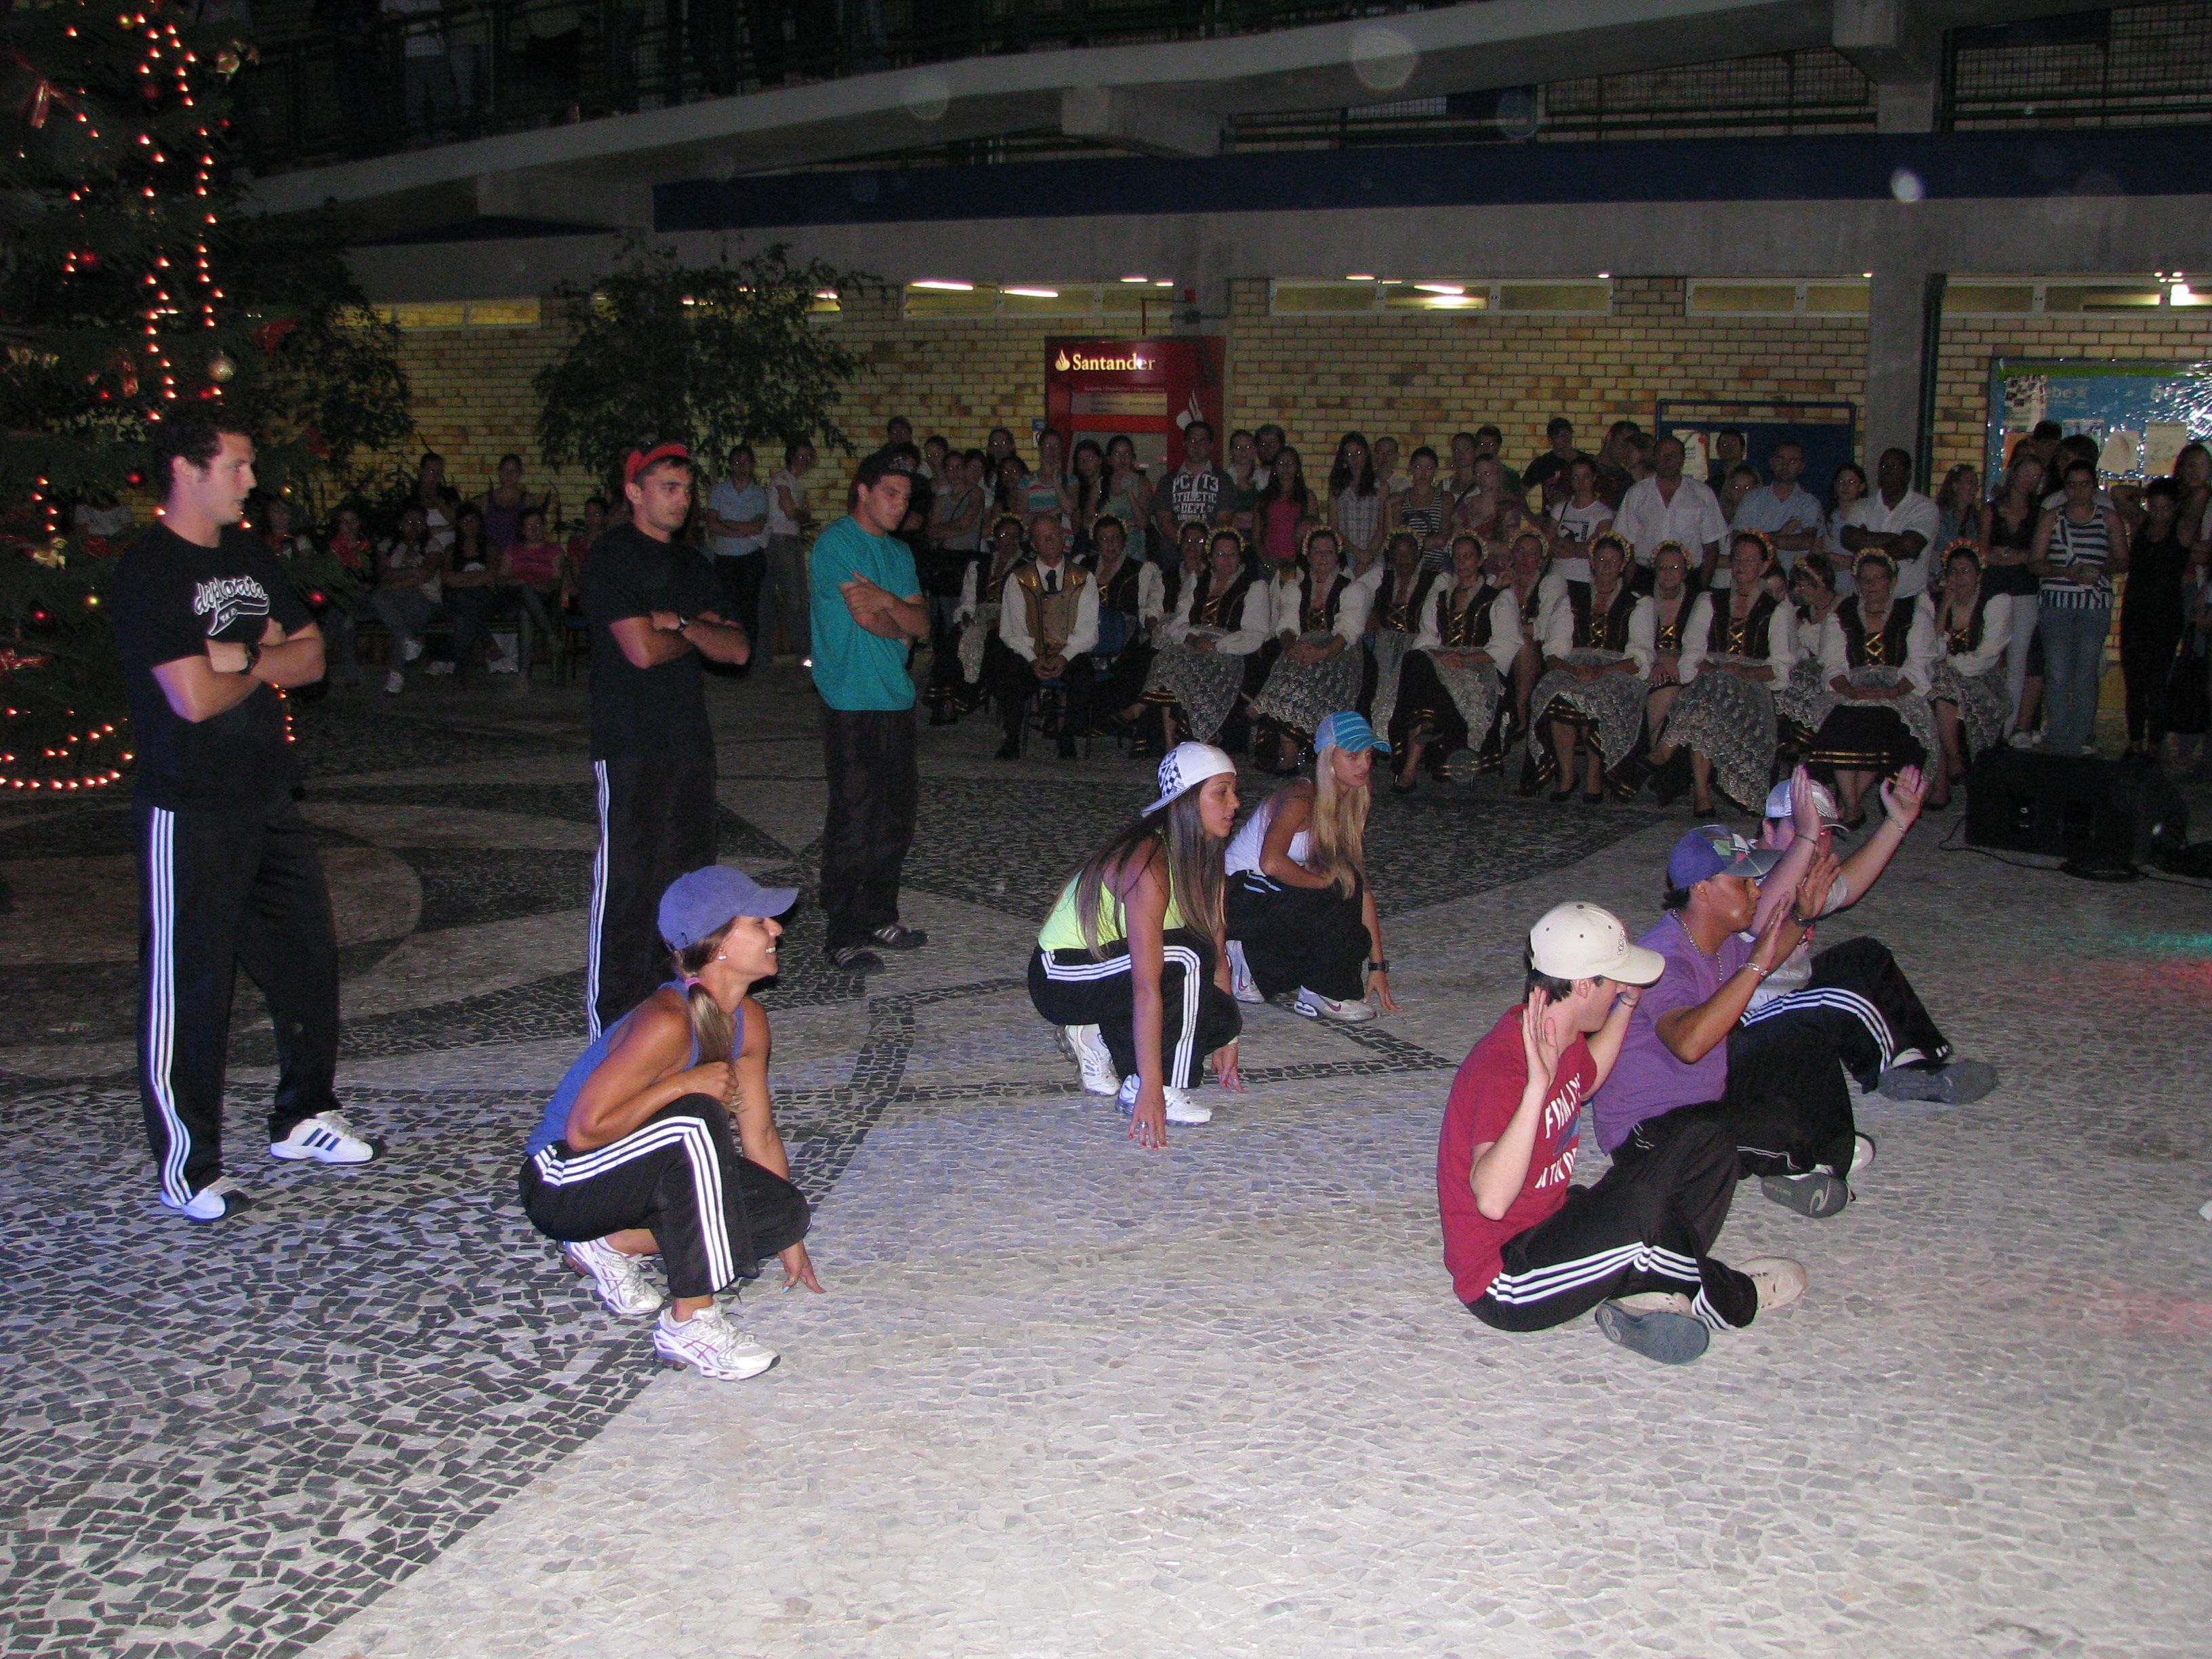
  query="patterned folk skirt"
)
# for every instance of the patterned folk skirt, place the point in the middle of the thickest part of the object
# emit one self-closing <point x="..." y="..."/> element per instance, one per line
<point x="1874" y="737"/>
<point x="1455" y="702"/>
<point x="1388" y="646"/>
<point x="1983" y="701"/>
<point x="1299" y="695"/>
<point x="973" y="638"/>
<point x="1805" y="700"/>
<point x="1610" y="708"/>
<point x="1730" y="722"/>
<point x="1205" y="683"/>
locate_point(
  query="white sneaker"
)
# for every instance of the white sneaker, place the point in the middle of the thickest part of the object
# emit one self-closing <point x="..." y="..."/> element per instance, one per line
<point x="1644" y="1302"/>
<point x="214" y="1201"/>
<point x="506" y="666"/>
<point x="1083" y="1045"/>
<point x="1861" y="1153"/>
<point x="326" y="1138"/>
<point x="409" y="649"/>
<point x="1780" y="1280"/>
<point x="1182" y="1109"/>
<point x="395" y="682"/>
<point x="1314" y="1006"/>
<point x="711" y="1346"/>
<point x="1242" y="984"/>
<point x="440" y="666"/>
<point x="618" y="1278"/>
<point x="2025" y="739"/>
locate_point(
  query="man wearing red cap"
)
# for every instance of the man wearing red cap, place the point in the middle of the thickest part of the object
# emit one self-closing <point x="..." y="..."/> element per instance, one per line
<point x="652" y="602"/>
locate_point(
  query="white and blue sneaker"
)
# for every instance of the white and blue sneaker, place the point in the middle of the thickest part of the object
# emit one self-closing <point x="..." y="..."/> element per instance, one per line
<point x="1182" y="1109"/>
<point x="1242" y="984"/>
<point x="325" y="1138"/>
<point x="214" y="1201"/>
<point x="1093" y="1058"/>
<point x="710" y="1345"/>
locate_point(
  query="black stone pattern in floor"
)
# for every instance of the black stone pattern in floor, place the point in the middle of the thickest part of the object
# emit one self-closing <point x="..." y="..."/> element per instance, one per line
<point x="223" y="1441"/>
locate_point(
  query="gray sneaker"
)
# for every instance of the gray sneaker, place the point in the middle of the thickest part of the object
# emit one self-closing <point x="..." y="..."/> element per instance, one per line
<point x="1955" y="1084"/>
<point x="1672" y="1338"/>
<point x="1819" y="1195"/>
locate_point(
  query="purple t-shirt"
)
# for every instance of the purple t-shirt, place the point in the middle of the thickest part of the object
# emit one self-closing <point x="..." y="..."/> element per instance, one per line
<point x="1648" y="1079"/>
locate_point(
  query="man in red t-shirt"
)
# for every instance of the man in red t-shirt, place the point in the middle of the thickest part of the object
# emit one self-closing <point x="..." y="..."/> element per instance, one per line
<point x="1527" y="1251"/>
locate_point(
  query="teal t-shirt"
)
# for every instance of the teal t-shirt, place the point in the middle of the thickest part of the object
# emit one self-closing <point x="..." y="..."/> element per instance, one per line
<point x="854" y="669"/>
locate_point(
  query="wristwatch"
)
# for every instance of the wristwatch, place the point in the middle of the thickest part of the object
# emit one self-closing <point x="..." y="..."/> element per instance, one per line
<point x="253" y="656"/>
<point x="1382" y="967"/>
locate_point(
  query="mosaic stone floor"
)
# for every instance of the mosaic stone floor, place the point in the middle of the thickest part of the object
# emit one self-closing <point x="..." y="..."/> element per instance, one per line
<point x="1063" y="1398"/>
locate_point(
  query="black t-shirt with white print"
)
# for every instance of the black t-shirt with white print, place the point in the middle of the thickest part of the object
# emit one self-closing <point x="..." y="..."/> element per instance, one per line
<point x="171" y="598"/>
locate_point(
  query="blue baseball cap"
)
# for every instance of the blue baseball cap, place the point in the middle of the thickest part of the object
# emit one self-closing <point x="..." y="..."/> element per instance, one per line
<point x="702" y="902"/>
<point x="1347" y="729"/>
<point x="1713" y="851"/>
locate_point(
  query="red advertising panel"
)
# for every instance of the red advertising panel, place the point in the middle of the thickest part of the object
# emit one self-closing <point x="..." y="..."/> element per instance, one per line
<point x="1147" y="389"/>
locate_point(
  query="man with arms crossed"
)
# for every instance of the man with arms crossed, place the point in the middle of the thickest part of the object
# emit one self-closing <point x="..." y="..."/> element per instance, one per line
<point x="1526" y="1251"/>
<point x="868" y="609"/>
<point x="208" y="627"/>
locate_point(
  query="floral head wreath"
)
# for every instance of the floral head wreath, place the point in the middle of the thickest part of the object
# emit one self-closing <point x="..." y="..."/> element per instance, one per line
<point x="1678" y="546"/>
<point x="1306" y="542"/>
<point x="1110" y="517"/>
<point x="1972" y="549"/>
<point x="1215" y="533"/>
<point x="1005" y="519"/>
<point x="1190" y="525"/>
<point x="1876" y="556"/>
<point x="1613" y="539"/>
<point x="1765" y="542"/>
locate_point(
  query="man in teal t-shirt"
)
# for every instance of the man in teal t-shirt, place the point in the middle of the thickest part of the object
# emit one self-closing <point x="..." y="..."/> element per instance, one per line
<point x="867" y="612"/>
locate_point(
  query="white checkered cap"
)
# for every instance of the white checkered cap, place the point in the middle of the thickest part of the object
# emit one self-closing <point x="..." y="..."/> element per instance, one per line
<point x="1781" y="804"/>
<point x="1576" y="940"/>
<point x="1188" y="765"/>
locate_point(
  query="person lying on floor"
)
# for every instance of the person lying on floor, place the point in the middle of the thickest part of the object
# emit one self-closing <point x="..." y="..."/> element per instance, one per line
<point x="1528" y="1251"/>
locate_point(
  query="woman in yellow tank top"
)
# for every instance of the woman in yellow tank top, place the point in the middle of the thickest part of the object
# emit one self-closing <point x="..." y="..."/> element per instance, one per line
<point x="1130" y="964"/>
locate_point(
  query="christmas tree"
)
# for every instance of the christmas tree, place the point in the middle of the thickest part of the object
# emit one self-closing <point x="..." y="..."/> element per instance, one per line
<point x="130" y="283"/>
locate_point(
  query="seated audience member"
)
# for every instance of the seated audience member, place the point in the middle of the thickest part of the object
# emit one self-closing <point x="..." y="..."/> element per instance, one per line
<point x="1132" y="600"/>
<point x="1537" y="591"/>
<point x="472" y="596"/>
<point x="1801" y="818"/>
<point x="1047" y="624"/>
<point x="1804" y="701"/>
<point x="1131" y="965"/>
<point x="1452" y="682"/>
<point x="1527" y="1251"/>
<point x="1401" y="594"/>
<point x="1210" y="648"/>
<point x="1740" y="644"/>
<point x="505" y="502"/>
<point x="635" y="1155"/>
<point x="407" y="594"/>
<point x="1318" y="620"/>
<point x="1966" y="688"/>
<point x="1300" y="914"/>
<point x="536" y="569"/>
<point x="1597" y="650"/>
<point x="956" y="681"/>
<point x="1671" y="602"/>
<point x="1878" y="653"/>
<point x="593" y="526"/>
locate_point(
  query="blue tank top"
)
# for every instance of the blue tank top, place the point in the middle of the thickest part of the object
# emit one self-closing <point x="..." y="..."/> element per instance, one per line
<point x="554" y="1124"/>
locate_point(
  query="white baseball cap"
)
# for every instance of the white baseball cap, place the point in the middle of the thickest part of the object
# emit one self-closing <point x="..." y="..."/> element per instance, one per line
<point x="1781" y="804"/>
<point x="1576" y="940"/>
<point x="1188" y="765"/>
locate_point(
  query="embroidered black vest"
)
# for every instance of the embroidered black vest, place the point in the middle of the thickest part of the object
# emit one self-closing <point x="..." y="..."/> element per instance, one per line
<point x="1882" y="650"/>
<point x="1468" y="630"/>
<point x="1960" y="642"/>
<point x="1223" y="612"/>
<point x="1532" y="608"/>
<point x="1402" y="613"/>
<point x="1121" y="593"/>
<point x="1608" y="632"/>
<point x="1319" y="616"/>
<point x="1727" y="636"/>
<point x="1666" y="636"/>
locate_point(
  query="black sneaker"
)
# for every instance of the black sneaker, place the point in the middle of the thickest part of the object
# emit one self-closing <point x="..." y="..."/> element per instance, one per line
<point x="900" y="937"/>
<point x="856" y="959"/>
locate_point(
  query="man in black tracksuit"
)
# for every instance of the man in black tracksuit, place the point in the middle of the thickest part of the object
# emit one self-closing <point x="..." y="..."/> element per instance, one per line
<point x="210" y="628"/>
<point x="652" y="601"/>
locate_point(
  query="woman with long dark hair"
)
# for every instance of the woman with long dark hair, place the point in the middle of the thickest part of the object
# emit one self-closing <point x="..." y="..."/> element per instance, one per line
<point x="1300" y="916"/>
<point x="1452" y="680"/>
<point x="2080" y="546"/>
<point x="1355" y="500"/>
<point x="1847" y="490"/>
<point x="1597" y="650"/>
<point x="1130" y="965"/>
<point x="1738" y="646"/>
<point x="2152" y="619"/>
<point x="1878" y="652"/>
<point x="1086" y="493"/>
<point x="2007" y="535"/>
<point x="1320" y="614"/>
<point x="1283" y="500"/>
<point x="1212" y="644"/>
<point x="472" y="595"/>
<point x="1402" y="598"/>
<point x="660" y="1140"/>
<point x="960" y="688"/>
<point x="1966" y="687"/>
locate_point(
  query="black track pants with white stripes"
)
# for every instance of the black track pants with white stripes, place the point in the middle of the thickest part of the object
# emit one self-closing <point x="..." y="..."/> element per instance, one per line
<point x="221" y="889"/>
<point x="1313" y="937"/>
<point x="714" y="1212"/>
<point x="1787" y="1102"/>
<point x="1648" y="1224"/>
<point x="1068" y="987"/>
<point x="657" y="820"/>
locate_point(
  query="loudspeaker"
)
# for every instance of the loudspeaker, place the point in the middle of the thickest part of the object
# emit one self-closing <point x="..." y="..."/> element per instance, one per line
<point x="2104" y="816"/>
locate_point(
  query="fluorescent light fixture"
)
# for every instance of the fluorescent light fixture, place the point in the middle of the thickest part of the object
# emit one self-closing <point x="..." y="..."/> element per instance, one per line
<point x="1359" y="277"/>
<point x="1136" y="279"/>
<point x="2181" y="292"/>
<point x="1605" y="276"/>
<point x="1033" y="293"/>
<point x="949" y="287"/>
<point x="1868" y="275"/>
<point x="1163" y="282"/>
<point x="1442" y="287"/>
<point x="1454" y="301"/>
<point x="825" y="293"/>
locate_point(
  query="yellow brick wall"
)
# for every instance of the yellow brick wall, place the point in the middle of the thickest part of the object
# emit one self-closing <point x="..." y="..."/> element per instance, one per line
<point x="473" y="404"/>
<point x="1962" y="400"/>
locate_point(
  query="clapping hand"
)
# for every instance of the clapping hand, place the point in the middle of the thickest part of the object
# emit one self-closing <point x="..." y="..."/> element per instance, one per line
<point x="1901" y="796"/>
<point x="1538" y="1045"/>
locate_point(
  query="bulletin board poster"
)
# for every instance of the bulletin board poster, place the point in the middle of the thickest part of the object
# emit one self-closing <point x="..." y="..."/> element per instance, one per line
<point x="1147" y="390"/>
<point x="2139" y="413"/>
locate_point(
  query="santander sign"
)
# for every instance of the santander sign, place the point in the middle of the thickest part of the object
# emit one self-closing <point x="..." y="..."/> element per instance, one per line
<point x="1135" y="363"/>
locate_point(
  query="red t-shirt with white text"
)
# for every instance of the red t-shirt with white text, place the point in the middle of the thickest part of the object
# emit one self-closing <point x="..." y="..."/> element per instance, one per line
<point x="1484" y="1098"/>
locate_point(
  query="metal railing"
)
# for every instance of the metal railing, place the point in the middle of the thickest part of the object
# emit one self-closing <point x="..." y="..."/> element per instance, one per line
<point x="376" y="84"/>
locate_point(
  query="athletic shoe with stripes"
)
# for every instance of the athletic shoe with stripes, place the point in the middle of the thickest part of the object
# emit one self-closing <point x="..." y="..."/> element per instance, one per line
<point x="325" y="1138"/>
<point x="1242" y="984"/>
<point x="1780" y="1280"/>
<point x="212" y="1202"/>
<point x="1182" y="1109"/>
<point x="1083" y="1045"/>
<point x="619" y="1278"/>
<point x="1314" y="1006"/>
<point x="711" y="1346"/>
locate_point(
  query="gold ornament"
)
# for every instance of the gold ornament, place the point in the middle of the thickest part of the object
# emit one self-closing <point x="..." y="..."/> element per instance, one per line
<point x="221" y="367"/>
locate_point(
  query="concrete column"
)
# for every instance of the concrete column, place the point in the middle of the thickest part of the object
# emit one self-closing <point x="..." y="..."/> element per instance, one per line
<point x="1896" y="335"/>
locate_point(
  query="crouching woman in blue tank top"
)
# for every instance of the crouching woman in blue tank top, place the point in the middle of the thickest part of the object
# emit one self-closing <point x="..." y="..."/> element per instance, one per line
<point x="635" y="1155"/>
